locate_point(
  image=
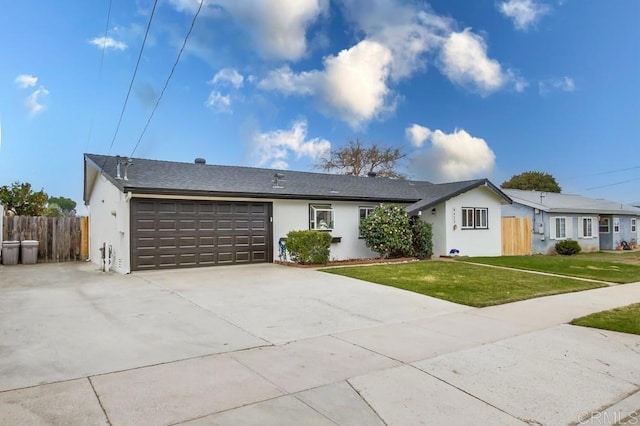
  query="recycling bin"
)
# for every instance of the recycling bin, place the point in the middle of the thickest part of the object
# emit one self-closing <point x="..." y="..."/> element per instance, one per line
<point x="29" y="252"/>
<point x="10" y="252"/>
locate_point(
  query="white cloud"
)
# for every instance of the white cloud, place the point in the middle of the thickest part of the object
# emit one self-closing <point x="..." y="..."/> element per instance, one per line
<point x="228" y="76"/>
<point x="33" y="103"/>
<point x="417" y="134"/>
<point x="25" y="80"/>
<point x="273" y="148"/>
<point x="352" y="85"/>
<point x="108" y="43"/>
<point x="453" y="157"/>
<point x="524" y="13"/>
<point x="564" y="84"/>
<point x="465" y="62"/>
<point x="277" y="27"/>
<point x="219" y="102"/>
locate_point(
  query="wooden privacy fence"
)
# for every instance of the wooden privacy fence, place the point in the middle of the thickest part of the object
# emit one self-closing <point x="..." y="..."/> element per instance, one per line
<point x="516" y="236"/>
<point x="61" y="239"/>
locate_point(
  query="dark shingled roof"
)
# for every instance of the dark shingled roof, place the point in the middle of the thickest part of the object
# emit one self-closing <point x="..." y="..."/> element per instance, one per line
<point x="443" y="191"/>
<point x="174" y="178"/>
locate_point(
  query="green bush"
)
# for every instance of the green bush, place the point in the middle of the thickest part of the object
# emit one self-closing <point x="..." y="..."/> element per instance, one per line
<point x="309" y="247"/>
<point x="387" y="231"/>
<point x="568" y="247"/>
<point x="422" y="238"/>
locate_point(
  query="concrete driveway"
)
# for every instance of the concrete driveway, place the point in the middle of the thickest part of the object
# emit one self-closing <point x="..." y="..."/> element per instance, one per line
<point x="267" y="344"/>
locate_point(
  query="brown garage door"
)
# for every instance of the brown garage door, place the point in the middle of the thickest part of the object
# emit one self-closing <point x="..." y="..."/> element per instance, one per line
<point x="181" y="233"/>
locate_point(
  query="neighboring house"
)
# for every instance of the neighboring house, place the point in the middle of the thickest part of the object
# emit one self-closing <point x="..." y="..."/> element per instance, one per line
<point x="147" y="214"/>
<point x="1" y="227"/>
<point x="596" y="224"/>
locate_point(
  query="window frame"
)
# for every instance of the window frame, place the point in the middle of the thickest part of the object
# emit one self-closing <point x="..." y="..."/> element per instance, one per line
<point x="367" y="210"/>
<point x="475" y="215"/>
<point x="582" y="229"/>
<point x="634" y="224"/>
<point x="555" y="235"/>
<point x="314" y="209"/>
<point x="616" y="225"/>
<point x="600" y="225"/>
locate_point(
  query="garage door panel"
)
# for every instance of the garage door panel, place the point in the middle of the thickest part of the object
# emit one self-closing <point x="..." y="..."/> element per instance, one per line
<point x="185" y="233"/>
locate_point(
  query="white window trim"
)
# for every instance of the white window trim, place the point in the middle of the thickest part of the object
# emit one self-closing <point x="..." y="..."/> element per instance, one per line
<point x="474" y="211"/>
<point x="581" y="223"/>
<point x="608" y="231"/>
<point x="368" y="210"/>
<point x="634" y="224"/>
<point x="314" y="209"/>
<point x="616" y="225"/>
<point x="553" y="225"/>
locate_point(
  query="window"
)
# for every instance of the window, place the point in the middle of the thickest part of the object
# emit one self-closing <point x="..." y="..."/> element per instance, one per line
<point x="321" y="217"/>
<point x="365" y="211"/>
<point x="604" y="225"/>
<point x="633" y="224"/>
<point x="560" y="228"/>
<point x="475" y="218"/>
<point x="616" y="225"/>
<point x="586" y="227"/>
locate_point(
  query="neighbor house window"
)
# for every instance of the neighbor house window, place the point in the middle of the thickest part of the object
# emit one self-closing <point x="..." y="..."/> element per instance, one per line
<point x="604" y="225"/>
<point x="475" y="218"/>
<point x="365" y="211"/>
<point x="616" y="225"/>
<point x="633" y="224"/>
<point x="586" y="227"/>
<point x="559" y="228"/>
<point x="321" y="217"/>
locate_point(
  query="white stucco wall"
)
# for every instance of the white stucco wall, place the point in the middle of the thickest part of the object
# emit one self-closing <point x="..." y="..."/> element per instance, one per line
<point x="293" y="215"/>
<point x="437" y="219"/>
<point x="475" y="242"/>
<point x="109" y="225"/>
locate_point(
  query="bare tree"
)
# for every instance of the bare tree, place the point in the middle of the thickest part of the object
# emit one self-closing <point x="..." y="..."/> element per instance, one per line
<point x="357" y="160"/>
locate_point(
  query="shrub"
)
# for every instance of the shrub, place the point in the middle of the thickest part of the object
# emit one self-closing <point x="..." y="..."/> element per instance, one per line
<point x="422" y="238"/>
<point x="568" y="247"/>
<point x="309" y="246"/>
<point x="387" y="231"/>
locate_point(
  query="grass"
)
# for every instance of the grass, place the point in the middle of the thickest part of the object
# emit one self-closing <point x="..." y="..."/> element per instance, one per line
<point x="625" y="319"/>
<point x="464" y="283"/>
<point x="610" y="267"/>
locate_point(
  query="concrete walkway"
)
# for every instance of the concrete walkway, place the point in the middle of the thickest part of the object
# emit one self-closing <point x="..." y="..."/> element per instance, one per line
<point x="270" y="345"/>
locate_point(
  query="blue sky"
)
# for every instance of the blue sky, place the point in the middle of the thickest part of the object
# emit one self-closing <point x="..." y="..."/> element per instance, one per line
<point x="467" y="89"/>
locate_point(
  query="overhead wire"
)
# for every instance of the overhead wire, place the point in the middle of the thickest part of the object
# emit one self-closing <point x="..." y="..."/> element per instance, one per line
<point x="133" y="77"/>
<point x="104" y="47"/>
<point x="166" y="84"/>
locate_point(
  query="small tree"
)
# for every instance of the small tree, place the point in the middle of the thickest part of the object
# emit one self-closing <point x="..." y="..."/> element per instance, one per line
<point x="533" y="181"/>
<point x="357" y="160"/>
<point x="61" y="206"/>
<point x="387" y="231"/>
<point x="20" y="199"/>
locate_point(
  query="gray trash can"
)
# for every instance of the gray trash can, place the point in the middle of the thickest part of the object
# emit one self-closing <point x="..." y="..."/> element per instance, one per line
<point x="10" y="252"/>
<point x="29" y="252"/>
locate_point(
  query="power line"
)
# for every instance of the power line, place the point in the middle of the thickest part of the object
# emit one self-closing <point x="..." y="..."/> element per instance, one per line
<point x="135" y="71"/>
<point x="612" y="184"/>
<point x="175" y="64"/>
<point x="104" y="47"/>
<point x="605" y="173"/>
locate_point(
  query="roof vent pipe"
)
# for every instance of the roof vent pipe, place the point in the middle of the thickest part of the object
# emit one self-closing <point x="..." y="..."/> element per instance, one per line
<point x="118" y="167"/>
<point x="200" y="161"/>
<point x="372" y="174"/>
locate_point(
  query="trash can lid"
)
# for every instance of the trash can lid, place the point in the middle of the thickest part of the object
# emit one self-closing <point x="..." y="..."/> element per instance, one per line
<point x="10" y="243"/>
<point x="29" y="243"/>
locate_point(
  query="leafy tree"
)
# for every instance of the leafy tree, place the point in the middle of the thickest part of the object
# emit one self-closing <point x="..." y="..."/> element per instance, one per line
<point x="357" y="160"/>
<point x="533" y="181"/>
<point x="387" y="231"/>
<point x="20" y="199"/>
<point x="62" y="205"/>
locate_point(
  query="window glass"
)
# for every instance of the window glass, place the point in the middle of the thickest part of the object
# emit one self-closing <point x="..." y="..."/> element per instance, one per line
<point x="321" y="217"/>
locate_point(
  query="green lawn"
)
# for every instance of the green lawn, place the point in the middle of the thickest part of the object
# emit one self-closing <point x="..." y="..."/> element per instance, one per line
<point x="464" y="283"/>
<point x="614" y="267"/>
<point x="625" y="319"/>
